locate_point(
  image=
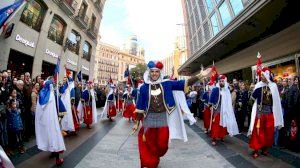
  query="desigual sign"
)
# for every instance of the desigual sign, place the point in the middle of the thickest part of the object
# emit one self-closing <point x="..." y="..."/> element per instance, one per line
<point x="85" y="68"/>
<point x="72" y="62"/>
<point x="24" y="41"/>
<point x="52" y="54"/>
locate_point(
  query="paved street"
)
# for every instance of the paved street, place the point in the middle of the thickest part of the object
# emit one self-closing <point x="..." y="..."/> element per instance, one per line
<point x="100" y="147"/>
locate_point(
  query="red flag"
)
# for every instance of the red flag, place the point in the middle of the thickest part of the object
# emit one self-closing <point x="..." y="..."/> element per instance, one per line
<point x="258" y="65"/>
<point x="214" y="75"/>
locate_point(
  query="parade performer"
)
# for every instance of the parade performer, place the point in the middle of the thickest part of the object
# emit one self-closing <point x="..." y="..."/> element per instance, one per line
<point x="74" y="111"/>
<point x="67" y="123"/>
<point x="223" y="120"/>
<point x="157" y="104"/>
<point x="47" y="128"/>
<point x="119" y="101"/>
<point x="129" y="106"/>
<point x="207" y="111"/>
<point x="134" y="94"/>
<point x="88" y="105"/>
<point x="266" y="114"/>
<point x="109" y="109"/>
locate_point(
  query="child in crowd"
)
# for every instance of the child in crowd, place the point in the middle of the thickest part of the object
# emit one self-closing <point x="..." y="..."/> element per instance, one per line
<point x="15" y="126"/>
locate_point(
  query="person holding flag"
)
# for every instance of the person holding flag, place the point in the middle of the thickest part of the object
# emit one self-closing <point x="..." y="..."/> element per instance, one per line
<point x="87" y="105"/>
<point x="223" y="120"/>
<point x="47" y="128"/>
<point x="207" y="110"/>
<point x="74" y="111"/>
<point x="266" y="112"/>
<point x="109" y="109"/>
<point x="67" y="122"/>
<point x="128" y="102"/>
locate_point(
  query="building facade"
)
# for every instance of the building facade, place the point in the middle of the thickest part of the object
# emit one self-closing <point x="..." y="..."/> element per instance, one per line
<point x="128" y="60"/>
<point x="106" y="63"/>
<point x="176" y="59"/>
<point x="231" y="32"/>
<point x="47" y="30"/>
<point x="132" y="47"/>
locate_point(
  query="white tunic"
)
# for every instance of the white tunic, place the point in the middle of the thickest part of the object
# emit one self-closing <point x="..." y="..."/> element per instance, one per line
<point x="67" y="123"/>
<point x="47" y="129"/>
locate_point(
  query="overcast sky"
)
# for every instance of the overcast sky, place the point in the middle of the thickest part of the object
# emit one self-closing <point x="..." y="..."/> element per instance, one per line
<point x="153" y="21"/>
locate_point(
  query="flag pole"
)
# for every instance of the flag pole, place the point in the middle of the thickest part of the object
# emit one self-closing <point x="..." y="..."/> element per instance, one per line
<point x="57" y="90"/>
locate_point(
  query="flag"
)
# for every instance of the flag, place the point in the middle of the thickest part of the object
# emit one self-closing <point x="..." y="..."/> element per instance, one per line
<point x="126" y="73"/>
<point x="109" y="81"/>
<point x="7" y="12"/>
<point x="258" y="66"/>
<point x="79" y="76"/>
<point x="129" y="81"/>
<point x="56" y="70"/>
<point x="214" y="74"/>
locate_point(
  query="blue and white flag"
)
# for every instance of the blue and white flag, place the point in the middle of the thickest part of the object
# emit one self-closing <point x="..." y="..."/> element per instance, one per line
<point x="79" y="76"/>
<point x="8" y="9"/>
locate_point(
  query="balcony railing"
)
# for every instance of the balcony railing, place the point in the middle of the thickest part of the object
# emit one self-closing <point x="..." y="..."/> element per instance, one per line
<point x="82" y="21"/>
<point x="55" y="35"/>
<point x="69" y="6"/>
<point x="98" y="5"/>
<point x="93" y="32"/>
<point x="73" y="47"/>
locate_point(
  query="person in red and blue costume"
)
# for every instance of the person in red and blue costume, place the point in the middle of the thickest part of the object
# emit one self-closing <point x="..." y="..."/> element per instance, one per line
<point x="128" y="103"/>
<point x="266" y="114"/>
<point x="223" y="118"/>
<point x="155" y="105"/>
<point x="109" y="110"/>
<point x="207" y="111"/>
<point x="89" y="105"/>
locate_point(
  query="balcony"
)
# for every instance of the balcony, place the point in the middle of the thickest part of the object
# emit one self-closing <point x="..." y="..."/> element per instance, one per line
<point x="82" y="21"/>
<point x="68" y="6"/>
<point x="98" y="5"/>
<point x="92" y="32"/>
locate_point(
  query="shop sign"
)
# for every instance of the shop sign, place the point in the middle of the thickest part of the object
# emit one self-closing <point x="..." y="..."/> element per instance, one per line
<point x="85" y="68"/>
<point x="72" y="62"/>
<point x="24" y="41"/>
<point x="50" y="53"/>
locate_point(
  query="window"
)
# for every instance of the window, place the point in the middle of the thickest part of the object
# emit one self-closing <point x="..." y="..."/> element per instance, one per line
<point x="197" y="20"/>
<point x="237" y="6"/>
<point x="56" y="30"/>
<point x="188" y="5"/>
<point x="93" y="23"/>
<point x="87" y="51"/>
<point x="214" y="24"/>
<point x="217" y="1"/>
<point x="225" y="15"/>
<point x="206" y="31"/>
<point x="82" y="10"/>
<point x="74" y="42"/>
<point x="209" y="6"/>
<point x="200" y="38"/>
<point x="33" y="14"/>
<point x="202" y="9"/>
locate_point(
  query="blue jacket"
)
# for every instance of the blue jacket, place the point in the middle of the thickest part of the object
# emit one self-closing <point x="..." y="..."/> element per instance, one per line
<point x="72" y="93"/>
<point x="110" y="97"/>
<point x="214" y="97"/>
<point x="135" y="94"/>
<point x="143" y="101"/>
<point x="14" y="121"/>
<point x="205" y="97"/>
